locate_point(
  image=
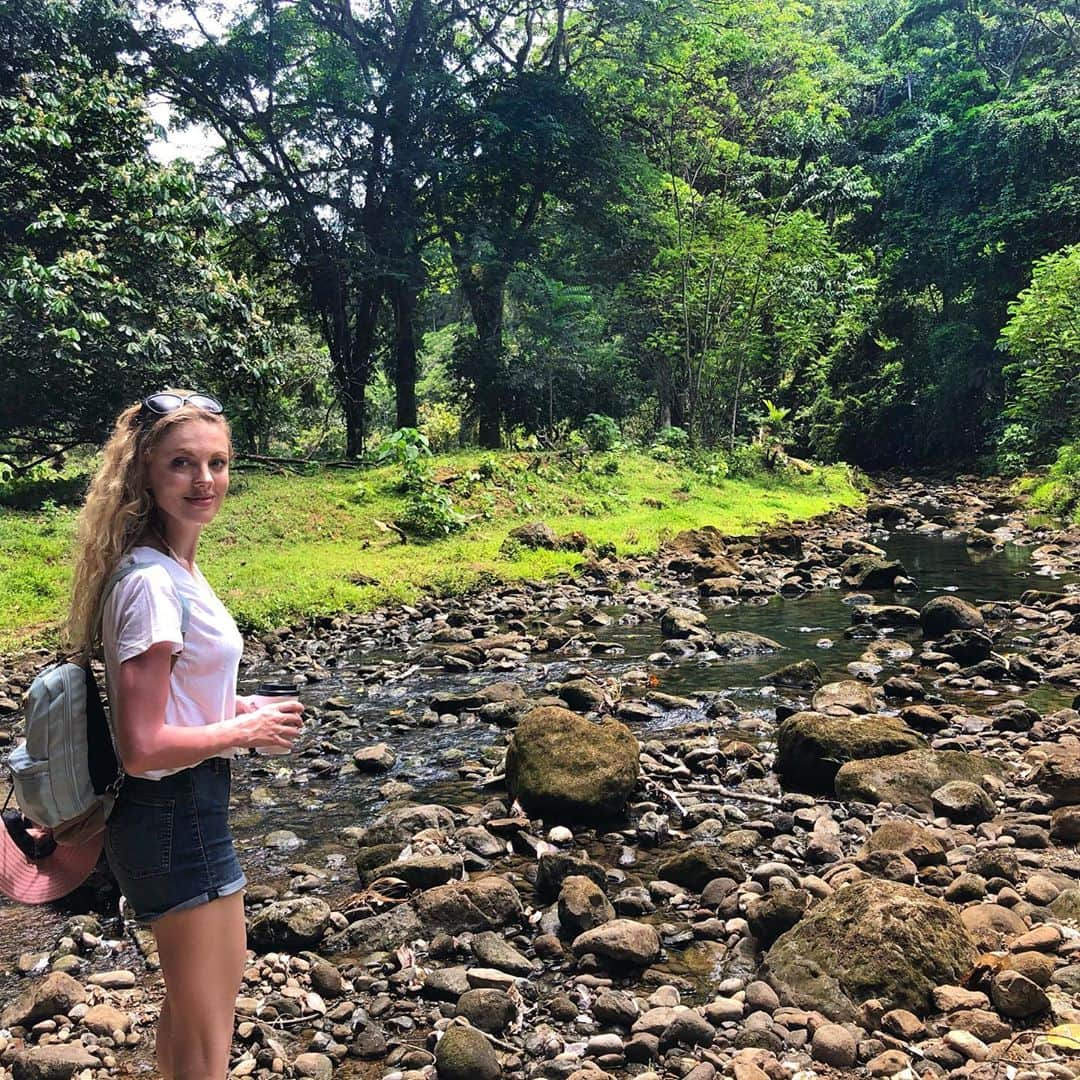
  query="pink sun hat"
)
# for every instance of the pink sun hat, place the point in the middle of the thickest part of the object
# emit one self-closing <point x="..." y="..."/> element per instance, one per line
<point x="34" y="869"/>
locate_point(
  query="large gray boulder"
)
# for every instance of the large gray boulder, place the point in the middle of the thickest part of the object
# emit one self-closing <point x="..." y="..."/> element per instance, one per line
<point x="485" y="904"/>
<point x="56" y="995"/>
<point x="800" y="675"/>
<point x="55" y="1062"/>
<point x="403" y="823"/>
<point x="290" y="925"/>
<point x="945" y="613"/>
<point x="583" y="905"/>
<point x="910" y="778"/>
<point x="848" y="694"/>
<point x="812" y="746"/>
<point x="565" y="768"/>
<point x="680" y="622"/>
<point x="621" y="942"/>
<point x="699" y="864"/>
<point x="464" y="1054"/>
<point x="383" y="932"/>
<point x="874" y="939"/>
<point x="420" y="871"/>
<point x="908" y="838"/>
<point x="738" y="643"/>
<point x="870" y="572"/>
<point x="1059" y="775"/>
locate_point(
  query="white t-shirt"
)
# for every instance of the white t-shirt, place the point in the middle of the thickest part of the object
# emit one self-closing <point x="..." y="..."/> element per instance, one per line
<point x="144" y="609"/>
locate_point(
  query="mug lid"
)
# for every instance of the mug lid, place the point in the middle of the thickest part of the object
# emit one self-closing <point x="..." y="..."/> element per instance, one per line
<point x="277" y="689"/>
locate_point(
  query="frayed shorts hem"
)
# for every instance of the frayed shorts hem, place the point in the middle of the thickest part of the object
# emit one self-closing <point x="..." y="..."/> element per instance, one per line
<point x="196" y="901"/>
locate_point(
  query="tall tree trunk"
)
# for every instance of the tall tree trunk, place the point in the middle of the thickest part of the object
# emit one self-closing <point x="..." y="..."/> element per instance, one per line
<point x="348" y="327"/>
<point x="357" y="371"/>
<point x="486" y="297"/>
<point x="403" y="297"/>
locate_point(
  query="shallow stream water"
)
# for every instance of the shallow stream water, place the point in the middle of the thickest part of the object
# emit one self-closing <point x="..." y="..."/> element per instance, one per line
<point x="308" y="794"/>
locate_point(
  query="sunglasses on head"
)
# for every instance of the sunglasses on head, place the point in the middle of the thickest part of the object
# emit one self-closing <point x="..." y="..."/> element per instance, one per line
<point x="160" y="404"/>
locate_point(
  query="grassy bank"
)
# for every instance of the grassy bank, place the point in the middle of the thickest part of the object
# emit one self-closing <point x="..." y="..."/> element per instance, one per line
<point x="289" y="545"/>
<point x="1057" y="491"/>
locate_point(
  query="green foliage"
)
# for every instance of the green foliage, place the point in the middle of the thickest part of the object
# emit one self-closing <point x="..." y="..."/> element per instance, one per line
<point x="429" y="509"/>
<point x="44" y="484"/>
<point x="972" y="141"/>
<point x="583" y="226"/>
<point x="1060" y="492"/>
<point x="1015" y="449"/>
<point x="441" y="426"/>
<point x="774" y="417"/>
<point x="430" y="514"/>
<point x="1043" y="338"/>
<point x="671" y="444"/>
<point x="601" y="432"/>
<point x="749" y="460"/>
<point x="409" y="449"/>
<point x="111" y="286"/>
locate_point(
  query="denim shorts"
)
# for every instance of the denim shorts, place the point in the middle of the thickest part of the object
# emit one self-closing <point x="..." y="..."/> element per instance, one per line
<point x="168" y="841"/>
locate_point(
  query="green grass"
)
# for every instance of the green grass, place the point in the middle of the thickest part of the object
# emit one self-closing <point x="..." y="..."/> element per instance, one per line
<point x="288" y="546"/>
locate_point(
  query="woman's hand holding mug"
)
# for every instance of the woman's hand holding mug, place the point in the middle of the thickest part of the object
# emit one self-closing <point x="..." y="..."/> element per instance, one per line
<point x="273" y="718"/>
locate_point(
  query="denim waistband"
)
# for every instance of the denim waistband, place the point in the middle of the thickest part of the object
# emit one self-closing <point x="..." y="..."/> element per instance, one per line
<point x="205" y="770"/>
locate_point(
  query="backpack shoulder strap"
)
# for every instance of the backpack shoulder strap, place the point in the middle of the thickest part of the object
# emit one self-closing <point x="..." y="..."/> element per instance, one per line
<point x="126" y="567"/>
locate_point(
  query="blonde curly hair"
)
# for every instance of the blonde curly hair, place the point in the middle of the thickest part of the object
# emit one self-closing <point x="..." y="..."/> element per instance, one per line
<point x="119" y="511"/>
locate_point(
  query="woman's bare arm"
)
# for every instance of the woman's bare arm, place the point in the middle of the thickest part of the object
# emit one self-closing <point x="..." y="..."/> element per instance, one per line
<point x="147" y="743"/>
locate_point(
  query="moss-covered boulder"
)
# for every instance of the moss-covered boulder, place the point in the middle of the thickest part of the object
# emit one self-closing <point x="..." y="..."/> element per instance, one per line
<point x="565" y="768"/>
<point x="871" y="572"/>
<point x="801" y="675"/>
<point x="464" y="1054"/>
<point x="874" y="939"/>
<point x="812" y="746"/>
<point x="699" y="864"/>
<point x="945" y="613"/>
<point x="849" y="694"/>
<point x="910" y="778"/>
<point x="908" y="838"/>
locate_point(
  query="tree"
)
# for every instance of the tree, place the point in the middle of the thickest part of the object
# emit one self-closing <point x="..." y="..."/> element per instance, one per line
<point x="738" y="123"/>
<point x="527" y="142"/>
<point x="970" y="133"/>
<point x="1043" y="338"/>
<point x="111" y="285"/>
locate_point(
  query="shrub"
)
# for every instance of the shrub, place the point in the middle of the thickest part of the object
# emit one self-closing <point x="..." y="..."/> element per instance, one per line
<point x="441" y="426"/>
<point x="601" y="432"/>
<point x="1060" y="493"/>
<point x="713" y="470"/>
<point x="410" y="449"/>
<point x="671" y="444"/>
<point x="430" y="513"/>
<point x="1015" y="449"/>
<point x="39" y="486"/>
<point x="1043" y="338"/>
<point x="748" y="460"/>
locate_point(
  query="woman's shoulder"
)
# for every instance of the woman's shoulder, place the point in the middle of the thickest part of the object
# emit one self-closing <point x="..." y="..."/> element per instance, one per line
<point x="137" y="575"/>
<point x="145" y="562"/>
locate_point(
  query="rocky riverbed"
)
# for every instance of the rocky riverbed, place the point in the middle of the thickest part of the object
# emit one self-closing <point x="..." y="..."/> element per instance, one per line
<point x="651" y="822"/>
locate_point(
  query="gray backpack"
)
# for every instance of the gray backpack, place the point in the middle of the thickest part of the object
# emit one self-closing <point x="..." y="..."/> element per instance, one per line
<point x="65" y="773"/>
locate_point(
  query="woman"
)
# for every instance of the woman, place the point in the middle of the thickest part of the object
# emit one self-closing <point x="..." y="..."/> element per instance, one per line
<point x="176" y="718"/>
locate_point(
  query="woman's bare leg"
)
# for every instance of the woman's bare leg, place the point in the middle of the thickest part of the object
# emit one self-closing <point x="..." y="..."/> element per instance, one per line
<point x="163" y="1042"/>
<point x="203" y="952"/>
